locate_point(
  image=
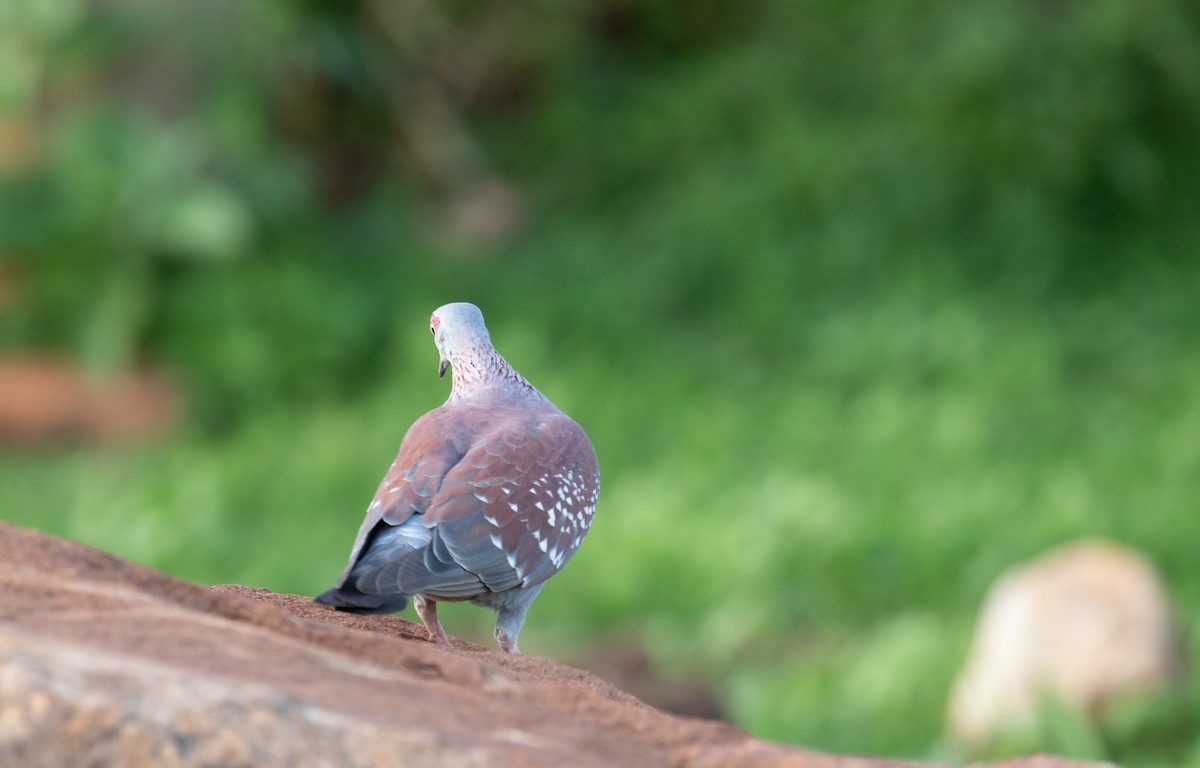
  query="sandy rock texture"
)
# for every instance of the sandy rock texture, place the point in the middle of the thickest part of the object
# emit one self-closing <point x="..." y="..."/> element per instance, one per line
<point x="105" y="662"/>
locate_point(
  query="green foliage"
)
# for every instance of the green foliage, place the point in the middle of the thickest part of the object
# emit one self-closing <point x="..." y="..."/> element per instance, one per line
<point x="860" y="305"/>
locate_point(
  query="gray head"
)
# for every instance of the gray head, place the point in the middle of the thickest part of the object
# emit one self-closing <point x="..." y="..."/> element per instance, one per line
<point x="458" y="331"/>
<point x="463" y="342"/>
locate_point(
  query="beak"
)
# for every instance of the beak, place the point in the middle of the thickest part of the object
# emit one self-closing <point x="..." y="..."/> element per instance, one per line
<point x="442" y="366"/>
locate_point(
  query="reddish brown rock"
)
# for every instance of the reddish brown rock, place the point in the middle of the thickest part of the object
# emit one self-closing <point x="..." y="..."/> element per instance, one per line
<point x="48" y="399"/>
<point x="105" y="662"/>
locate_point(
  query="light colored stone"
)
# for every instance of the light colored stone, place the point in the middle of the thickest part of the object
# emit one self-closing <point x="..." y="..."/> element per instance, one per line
<point x="1081" y="624"/>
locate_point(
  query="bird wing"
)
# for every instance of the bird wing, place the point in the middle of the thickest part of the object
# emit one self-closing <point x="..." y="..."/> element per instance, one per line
<point x="516" y="507"/>
<point x="509" y="513"/>
<point x="433" y="444"/>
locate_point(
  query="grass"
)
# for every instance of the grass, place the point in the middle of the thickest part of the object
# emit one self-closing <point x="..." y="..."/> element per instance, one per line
<point x="813" y="525"/>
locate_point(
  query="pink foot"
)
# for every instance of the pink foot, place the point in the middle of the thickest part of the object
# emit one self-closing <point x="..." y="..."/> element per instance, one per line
<point x="427" y="610"/>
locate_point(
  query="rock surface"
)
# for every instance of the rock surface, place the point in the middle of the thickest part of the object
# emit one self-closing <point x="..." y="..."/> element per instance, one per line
<point x="105" y="662"/>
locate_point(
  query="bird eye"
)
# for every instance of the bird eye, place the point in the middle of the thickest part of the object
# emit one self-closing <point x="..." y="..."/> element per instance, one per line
<point x="433" y="330"/>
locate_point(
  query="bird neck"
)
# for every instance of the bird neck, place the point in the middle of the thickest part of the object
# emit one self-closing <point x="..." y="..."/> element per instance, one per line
<point x="482" y="368"/>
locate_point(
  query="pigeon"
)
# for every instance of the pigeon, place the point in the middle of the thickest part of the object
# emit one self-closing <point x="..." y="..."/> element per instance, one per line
<point x="489" y="496"/>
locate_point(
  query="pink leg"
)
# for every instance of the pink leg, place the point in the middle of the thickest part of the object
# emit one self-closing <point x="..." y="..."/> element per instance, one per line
<point x="507" y="644"/>
<point x="427" y="610"/>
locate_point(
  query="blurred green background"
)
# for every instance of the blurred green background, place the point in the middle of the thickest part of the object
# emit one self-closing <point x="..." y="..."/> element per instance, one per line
<point x="860" y="303"/>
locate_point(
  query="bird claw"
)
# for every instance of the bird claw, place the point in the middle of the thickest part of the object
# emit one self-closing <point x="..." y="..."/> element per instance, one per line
<point x="427" y="610"/>
<point x="507" y="645"/>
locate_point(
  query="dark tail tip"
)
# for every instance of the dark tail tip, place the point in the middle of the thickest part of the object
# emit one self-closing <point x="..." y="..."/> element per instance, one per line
<point x="353" y="601"/>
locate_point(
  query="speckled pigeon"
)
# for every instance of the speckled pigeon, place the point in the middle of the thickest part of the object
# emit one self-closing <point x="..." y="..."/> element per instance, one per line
<point x="489" y="496"/>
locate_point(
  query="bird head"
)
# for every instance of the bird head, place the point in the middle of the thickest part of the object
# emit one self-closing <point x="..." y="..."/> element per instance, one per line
<point x="457" y="328"/>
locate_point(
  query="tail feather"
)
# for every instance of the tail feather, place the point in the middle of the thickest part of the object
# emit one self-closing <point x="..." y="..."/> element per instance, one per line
<point x="348" y="599"/>
<point x="386" y="544"/>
